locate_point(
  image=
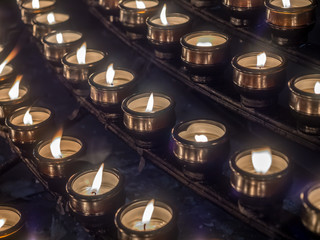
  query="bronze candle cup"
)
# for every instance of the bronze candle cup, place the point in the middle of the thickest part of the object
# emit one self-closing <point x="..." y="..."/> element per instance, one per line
<point x="129" y="215"/>
<point x="200" y="158"/>
<point x="149" y="128"/>
<point x="310" y="211"/>
<point x="305" y="103"/>
<point x="14" y="222"/>
<point x="109" y="97"/>
<point x="21" y="133"/>
<point x="165" y="38"/>
<point x="96" y="211"/>
<point x="28" y="12"/>
<point x="111" y="6"/>
<point x="8" y="74"/>
<point x="244" y="12"/>
<point x="290" y="26"/>
<point x="259" y="86"/>
<point x="203" y="62"/>
<point x="133" y="19"/>
<point x="204" y="3"/>
<point x="41" y="26"/>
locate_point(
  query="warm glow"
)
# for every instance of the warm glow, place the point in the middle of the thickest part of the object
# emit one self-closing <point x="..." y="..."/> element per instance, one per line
<point x="59" y="38"/>
<point x="35" y="4"/>
<point x="147" y="214"/>
<point x="201" y="138"/>
<point x="2" y="222"/>
<point x="261" y="160"/>
<point x="140" y="4"/>
<point x="110" y="74"/>
<point x="55" y="145"/>
<point x="50" y="18"/>
<point x="14" y="91"/>
<point x="163" y="16"/>
<point x="97" y="181"/>
<point x="81" y="54"/>
<point x="13" y="53"/>
<point x="261" y="59"/>
<point x="27" y="118"/>
<point x="149" y="107"/>
<point x="204" y="44"/>
<point x="2" y="65"/>
<point x="317" y="88"/>
<point x="286" y="3"/>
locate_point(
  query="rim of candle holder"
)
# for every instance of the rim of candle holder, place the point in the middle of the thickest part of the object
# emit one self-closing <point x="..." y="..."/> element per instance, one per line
<point x="20" y="223"/>
<point x="20" y="99"/>
<point x="185" y="44"/>
<point x="29" y="127"/>
<point x="177" y="129"/>
<point x="112" y="88"/>
<point x="238" y="67"/>
<point x="122" y="6"/>
<point x="37" y="10"/>
<point x="142" y="203"/>
<point x="86" y="65"/>
<point x="34" y="20"/>
<point x="234" y="167"/>
<point x="168" y="27"/>
<point x="126" y="101"/>
<point x="64" y="44"/>
<point x="300" y="93"/>
<point x="233" y="5"/>
<point x="305" y="193"/>
<point x="9" y="75"/>
<point x="270" y="6"/>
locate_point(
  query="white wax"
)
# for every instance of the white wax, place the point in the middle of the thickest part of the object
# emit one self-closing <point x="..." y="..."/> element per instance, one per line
<point x="37" y="117"/>
<point x="121" y="77"/>
<point x="68" y="148"/>
<point x="214" y="39"/>
<point x="251" y="62"/>
<point x="314" y="197"/>
<point x="6" y="70"/>
<point x="294" y="3"/>
<point x="68" y="37"/>
<point x="172" y="20"/>
<point x="11" y="218"/>
<point x="133" y="5"/>
<point x="91" y="57"/>
<point x="140" y="104"/>
<point x="59" y="18"/>
<point x="307" y="84"/>
<point x="4" y="94"/>
<point x="212" y="132"/>
<point x="43" y="4"/>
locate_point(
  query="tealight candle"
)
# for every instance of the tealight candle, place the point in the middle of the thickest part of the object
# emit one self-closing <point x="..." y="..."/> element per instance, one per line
<point x="48" y="22"/>
<point x="12" y="96"/>
<point x="31" y="8"/>
<point x="290" y="20"/>
<point x="29" y="124"/>
<point x="310" y="214"/>
<point x="96" y="195"/>
<point x="259" y="77"/>
<point x="56" y="158"/>
<point x="110" y="87"/>
<point x="7" y="73"/>
<point x="243" y="13"/>
<point x="143" y="219"/>
<point x="260" y="173"/>
<point x="133" y="15"/>
<point x="79" y="65"/>
<point x="204" y="53"/>
<point x="148" y="117"/>
<point x="11" y="223"/>
<point x="200" y="147"/>
<point x="164" y="32"/>
<point x="305" y="102"/>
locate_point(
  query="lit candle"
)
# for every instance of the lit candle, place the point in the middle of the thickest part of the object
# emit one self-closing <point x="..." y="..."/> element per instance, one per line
<point x="11" y="222"/>
<point x="31" y="8"/>
<point x="7" y="72"/>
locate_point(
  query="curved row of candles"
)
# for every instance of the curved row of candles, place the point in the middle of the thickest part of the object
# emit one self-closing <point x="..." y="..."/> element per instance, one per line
<point x="199" y="145"/>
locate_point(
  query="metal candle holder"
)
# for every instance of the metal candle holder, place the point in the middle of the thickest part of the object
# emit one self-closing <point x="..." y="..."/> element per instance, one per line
<point x="14" y="225"/>
<point x="112" y="6"/>
<point x="27" y="13"/>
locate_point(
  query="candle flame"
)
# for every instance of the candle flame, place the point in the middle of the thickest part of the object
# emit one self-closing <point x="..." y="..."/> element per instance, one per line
<point x="3" y="64"/>
<point x="97" y="181"/>
<point x="12" y="54"/>
<point x="2" y="222"/>
<point x="286" y="3"/>
<point x="110" y="74"/>
<point x="140" y="4"/>
<point x="59" y="38"/>
<point x="261" y="59"/>
<point x="81" y="54"/>
<point x="163" y="16"/>
<point x="14" y="91"/>
<point x="201" y="138"/>
<point x="204" y="44"/>
<point x="147" y="214"/>
<point x="50" y="18"/>
<point x="150" y="104"/>
<point x="317" y="88"/>
<point x="27" y="118"/>
<point x="35" y="4"/>
<point x="261" y="160"/>
<point x="55" y="145"/>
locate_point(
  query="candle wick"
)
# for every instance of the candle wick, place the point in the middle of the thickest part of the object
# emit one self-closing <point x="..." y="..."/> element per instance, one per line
<point x="94" y="193"/>
<point x="144" y="226"/>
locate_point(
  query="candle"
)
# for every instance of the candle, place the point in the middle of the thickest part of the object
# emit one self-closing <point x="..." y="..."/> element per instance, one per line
<point x="260" y="173"/>
<point x="310" y="214"/>
<point x="110" y="5"/>
<point x="164" y="32"/>
<point x="31" y="8"/>
<point x="200" y="146"/>
<point x="7" y="72"/>
<point x="146" y="219"/>
<point x="11" y="222"/>
<point x="133" y="15"/>
<point x="204" y="53"/>
<point x="48" y="22"/>
<point x="290" y="20"/>
<point x="148" y="117"/>
<point x="29" y="124"/>
<point x="259" y="77"/>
